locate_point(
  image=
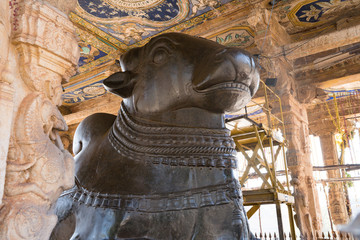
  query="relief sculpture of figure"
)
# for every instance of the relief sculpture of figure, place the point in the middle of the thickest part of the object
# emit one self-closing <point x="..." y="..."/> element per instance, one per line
<point x="165" y="166"/>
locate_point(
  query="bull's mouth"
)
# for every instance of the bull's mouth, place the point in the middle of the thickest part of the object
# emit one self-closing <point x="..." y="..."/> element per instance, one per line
<point x="237" y="86"/>
<point x="228" y="75"/>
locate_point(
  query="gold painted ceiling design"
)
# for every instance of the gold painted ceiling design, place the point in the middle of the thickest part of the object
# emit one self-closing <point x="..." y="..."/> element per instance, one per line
<point x="299" y="16"/>
<point x="107" y="28"/>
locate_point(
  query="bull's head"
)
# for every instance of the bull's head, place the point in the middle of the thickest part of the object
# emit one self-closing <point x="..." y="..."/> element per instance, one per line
<point x="175" y="71"/>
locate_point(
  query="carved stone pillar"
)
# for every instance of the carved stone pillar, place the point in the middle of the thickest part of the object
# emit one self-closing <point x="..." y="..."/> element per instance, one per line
<point x="269" y="43"/>
<point x="43" y="53"/>
<point x="325" y="129"/>
<point x="6" y="91"/>
<point x="308" y="215"/>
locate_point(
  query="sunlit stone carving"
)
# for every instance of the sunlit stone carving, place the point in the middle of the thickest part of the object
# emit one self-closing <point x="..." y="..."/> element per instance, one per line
<point x="38" y="168"/>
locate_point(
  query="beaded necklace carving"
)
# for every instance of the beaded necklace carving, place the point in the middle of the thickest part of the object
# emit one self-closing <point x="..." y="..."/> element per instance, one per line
<point x="171" y="145"/>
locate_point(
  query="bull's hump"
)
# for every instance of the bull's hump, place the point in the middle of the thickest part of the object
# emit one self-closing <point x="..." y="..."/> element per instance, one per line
<point x="90" y="129"/>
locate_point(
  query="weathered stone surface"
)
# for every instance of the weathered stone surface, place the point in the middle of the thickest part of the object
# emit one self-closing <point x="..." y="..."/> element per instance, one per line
<point x="308" y="216"/>
<point x="108" y="103"/>
<point x="6" y="90"/>
<point x="64" y="6"/>
<point x="4" y="33"/>
<point x="43" y="52"/>
<point x="324" y="42"/>
<point x="6" y="106"/>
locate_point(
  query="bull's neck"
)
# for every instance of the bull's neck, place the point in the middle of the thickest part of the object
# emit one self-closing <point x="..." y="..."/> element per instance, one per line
<point x="185" y="117"/>
<point x="191" y="119"/>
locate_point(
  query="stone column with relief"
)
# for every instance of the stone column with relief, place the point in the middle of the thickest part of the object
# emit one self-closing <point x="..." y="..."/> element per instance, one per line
<point x="307" y="206"/>
<point x="43" y="53"/>
<point x="270" y="38"/>
<point x="326" y="130"/>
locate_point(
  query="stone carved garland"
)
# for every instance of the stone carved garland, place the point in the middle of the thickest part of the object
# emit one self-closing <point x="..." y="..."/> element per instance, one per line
<point x="38" y="168"/>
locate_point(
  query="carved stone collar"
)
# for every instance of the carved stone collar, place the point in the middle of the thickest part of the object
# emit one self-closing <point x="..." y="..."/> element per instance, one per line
<point x="170" y="145"/>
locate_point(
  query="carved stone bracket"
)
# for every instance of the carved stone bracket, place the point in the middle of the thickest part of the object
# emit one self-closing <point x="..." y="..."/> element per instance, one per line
<point x="45" y="40"/>
<point x="26" y="221"/>
<point x="309" y="94"/>
<point x="322" y="127"/>
<point x="270" y="35"/>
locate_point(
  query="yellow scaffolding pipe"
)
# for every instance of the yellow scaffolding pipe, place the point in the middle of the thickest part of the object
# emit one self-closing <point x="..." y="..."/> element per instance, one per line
<point x="255" y="138"/>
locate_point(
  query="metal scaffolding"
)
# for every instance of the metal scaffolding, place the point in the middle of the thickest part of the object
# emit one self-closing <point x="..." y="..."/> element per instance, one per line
<point x="252" y="141"/>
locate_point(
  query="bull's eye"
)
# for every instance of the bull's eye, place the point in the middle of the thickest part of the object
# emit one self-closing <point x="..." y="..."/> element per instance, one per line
<point x="160" y="56"/>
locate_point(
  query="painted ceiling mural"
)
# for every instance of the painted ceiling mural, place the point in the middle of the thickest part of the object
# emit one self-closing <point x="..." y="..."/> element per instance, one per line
<point x="84" y="92"/>
<point x="238" y="36"/>
<point x="107" y="28"/>
<point x="93" y="51"/>
<point x="299" y="16"/>
<point x="130" y="21"/>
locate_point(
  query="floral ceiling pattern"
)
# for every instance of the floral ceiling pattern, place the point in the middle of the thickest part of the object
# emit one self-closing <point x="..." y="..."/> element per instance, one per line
<point x="310" y="12"/>
<point x="130" y="21"/>
<point x="239" y="36"/>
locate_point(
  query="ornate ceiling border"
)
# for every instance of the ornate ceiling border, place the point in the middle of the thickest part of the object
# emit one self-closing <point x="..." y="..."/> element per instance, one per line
<point x="87" y="75"/>
<point x="87" y="86"/>
<point x="183" y="5"/>
<point x="98" y="62"/>
<point x="107" y="38"/>
<point x="86" y="92"/>
<point x="238" y="40"/>
<point x="316" y="9"/>
<point x="93" y="79"/>
<point x="186" y="25"/>
<point x="94" y="41"/>
<point x="111" y="51"/>
<point x="139" y="4"/>
<point x="191" y="23"/>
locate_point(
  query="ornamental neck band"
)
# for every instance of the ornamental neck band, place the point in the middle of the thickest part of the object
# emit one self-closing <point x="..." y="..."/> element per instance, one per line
<point x="162" y="144"/>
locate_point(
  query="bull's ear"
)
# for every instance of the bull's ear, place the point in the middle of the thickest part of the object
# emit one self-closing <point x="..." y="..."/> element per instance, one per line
<point x="120" y="83"/>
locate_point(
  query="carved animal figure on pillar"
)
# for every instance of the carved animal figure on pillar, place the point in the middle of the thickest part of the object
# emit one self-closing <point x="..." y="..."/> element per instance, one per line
<point x="164" y="167"/>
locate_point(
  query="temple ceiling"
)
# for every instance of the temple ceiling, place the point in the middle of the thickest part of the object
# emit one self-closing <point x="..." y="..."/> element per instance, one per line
<point x="107" y="28"/>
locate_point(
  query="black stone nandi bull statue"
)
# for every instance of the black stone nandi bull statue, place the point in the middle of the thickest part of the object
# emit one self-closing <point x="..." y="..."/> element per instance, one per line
<point x="164" y="167"/>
